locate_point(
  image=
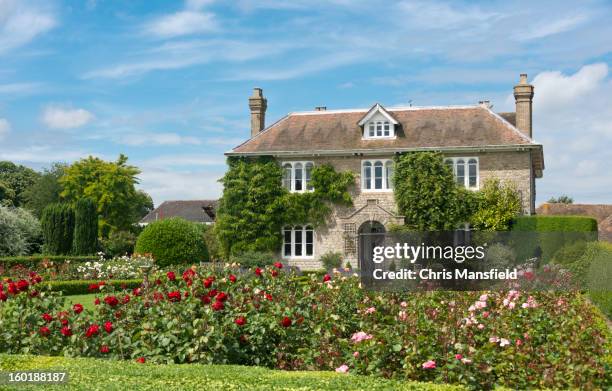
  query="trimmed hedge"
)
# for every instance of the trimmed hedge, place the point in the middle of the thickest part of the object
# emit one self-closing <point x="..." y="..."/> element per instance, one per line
<point x="81" y="287"/>
<point x="553" y="233"/>
<point x="33" y="260"/>
<point x="96" y="374"/>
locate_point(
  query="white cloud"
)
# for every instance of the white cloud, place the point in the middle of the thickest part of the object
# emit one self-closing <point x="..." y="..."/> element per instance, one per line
<point x="42" y="154"/>
<point x="5" y="128"/>
<point x="139" y="139"/>
<point x="165" y="185"/>
<point x="20" y="88"/>
<point x="185" y="160"/>
<point x="21" y="22"/>
<point x="65" y="118"/>
<point x="197" y="4"/>
<point x="544" y="29"/>
<point x="182" y="23"/>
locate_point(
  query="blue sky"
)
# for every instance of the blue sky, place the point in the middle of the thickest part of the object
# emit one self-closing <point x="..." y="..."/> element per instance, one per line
<point x="167" y="82"/>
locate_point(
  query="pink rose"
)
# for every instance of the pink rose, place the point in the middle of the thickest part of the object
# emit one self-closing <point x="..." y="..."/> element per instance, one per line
<point x="431" y="364"/>
<point x="342" y="368"/>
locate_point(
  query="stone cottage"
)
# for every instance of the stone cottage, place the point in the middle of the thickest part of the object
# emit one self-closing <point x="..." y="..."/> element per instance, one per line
<point x="477" y="142"/>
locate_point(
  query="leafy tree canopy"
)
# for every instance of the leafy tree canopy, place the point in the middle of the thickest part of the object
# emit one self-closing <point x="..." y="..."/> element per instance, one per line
<point x="497" y="205"/>
<point x="15" y="179"/>
<point x="46" y="190"/>
<point x="111" y="185"/>
<point x="562" y="199"/>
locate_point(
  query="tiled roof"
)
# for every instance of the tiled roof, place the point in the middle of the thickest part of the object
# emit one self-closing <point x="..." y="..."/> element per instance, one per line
<point x="200" y="211"/>
<point x="422" y="127"/>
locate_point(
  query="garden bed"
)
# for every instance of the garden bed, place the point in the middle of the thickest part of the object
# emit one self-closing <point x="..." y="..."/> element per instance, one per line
<point x="95" y="374"/>
<point x="266" y="317"/>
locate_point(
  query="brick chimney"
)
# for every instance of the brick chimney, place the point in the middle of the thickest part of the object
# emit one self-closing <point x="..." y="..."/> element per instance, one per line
<point x="258" y="105"/>
<point x="523" y="95"/>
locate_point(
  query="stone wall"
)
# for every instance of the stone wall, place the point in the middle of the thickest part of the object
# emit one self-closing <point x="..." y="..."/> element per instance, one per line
<point x="344" y="223"/>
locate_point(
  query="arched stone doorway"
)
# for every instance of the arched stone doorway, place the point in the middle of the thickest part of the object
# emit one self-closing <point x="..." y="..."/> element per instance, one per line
<point x="371" y="234"/>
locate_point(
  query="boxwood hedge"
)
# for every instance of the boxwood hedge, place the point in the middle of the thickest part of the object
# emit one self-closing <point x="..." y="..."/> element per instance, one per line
<point x="80" y="287"/>
<point x="33" y="260"/>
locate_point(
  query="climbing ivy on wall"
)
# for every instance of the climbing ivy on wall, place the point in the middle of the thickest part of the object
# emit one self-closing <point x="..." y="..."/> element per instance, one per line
<point x="255" y="206"/>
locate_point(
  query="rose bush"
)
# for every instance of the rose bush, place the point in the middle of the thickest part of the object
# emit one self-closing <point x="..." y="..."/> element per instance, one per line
<point x="270" y="317"/>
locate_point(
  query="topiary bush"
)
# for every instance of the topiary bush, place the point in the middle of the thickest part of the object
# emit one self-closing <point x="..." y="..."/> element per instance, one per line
<point x="119" y="243"/>
<point x="57" y="222"/>
<point x="172" y="241"/>
<point x="250" y="259"/>
<point x="331" y="260"/>
<point x="85" y="227"/>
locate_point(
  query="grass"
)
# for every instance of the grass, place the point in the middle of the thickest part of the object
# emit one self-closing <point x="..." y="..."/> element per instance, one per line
<point x="86" y="300"/>
<point x="95" y="374"/>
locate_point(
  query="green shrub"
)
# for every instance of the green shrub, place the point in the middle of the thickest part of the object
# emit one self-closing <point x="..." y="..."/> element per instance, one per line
<point x="58" y="228"/>
<point x="598" y="275"/>
<point x="497" y="204"/>
<point x="555" y="224"/>
<point x="85" y="227"/>
<point x="570" y="253"/>
<point x="172" y="241"/>
<point x="250" y="259"/>
<point x="331" y="260"/>
<point x="20" y="232"/>
<point x="81" y="287"/>
<point x="118" y="243"/>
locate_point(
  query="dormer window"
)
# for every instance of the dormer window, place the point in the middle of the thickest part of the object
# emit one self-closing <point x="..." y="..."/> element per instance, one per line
<point x="378" y="124"/>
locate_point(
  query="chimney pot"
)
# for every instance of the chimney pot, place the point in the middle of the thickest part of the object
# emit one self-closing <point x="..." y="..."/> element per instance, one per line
<point x="320" y="108"/>
<point x="258" y="105"/>
<point x="523" y="96"/>
<point x="485" y="103"/>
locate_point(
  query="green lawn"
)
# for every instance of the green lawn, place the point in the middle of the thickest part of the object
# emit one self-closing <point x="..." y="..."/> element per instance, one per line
<point x="94" y="374"/>
<point x="86" y="300"/>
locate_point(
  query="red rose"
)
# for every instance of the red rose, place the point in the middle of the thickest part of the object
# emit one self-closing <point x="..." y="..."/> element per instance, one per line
<point x="258" y="271"/>
<point x="268" y="296"/>
<point x="221" y="296"/>
<point x="188" y="274"/>
<point x="34" y="293"/>
<point x="111" y="300"/>
<point x="22" y="285"/>
<point x="141" y="360"/>
<point x="232" y="278"/>
<point x="157" y="296"/>
<point x="240" y="321"/>
<point x="158" y="282"/>
<point x="94" y="287"/>
<point x="44" y="331"/>
<point x="101" y="283"/>
<point x="207" y="282"/>
<point x="97" y="301"/>
<point x="174" y="296"/>
<point x="94" y="329"/>
<point x="104" y="349"/>
<point x="126" y="299"/>
<point x="274" y="273"/>
<point x="47" y="318"/>
<point x="3" y="297"/>
<point x="205" y="299"/>
<point x="218" y="306"/>
<point x="37" y="279"/>
<point x="118" y="314"/>
<point x="171" y="276"/>
<point x="286" y="322"/>
<point x="66" y="332"/>
<point x="64" y="322"/>
<point x="108" y="326"/>
<point x="12" y="288"/>
<point x="326" y="278"/>
<point x="278" y="265"/>
<point x="77" y="308"/>
<point x="212" y="293"/>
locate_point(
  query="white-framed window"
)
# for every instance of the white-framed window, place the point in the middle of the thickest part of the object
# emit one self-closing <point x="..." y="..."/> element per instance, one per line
<point x="379" y="129"/>
<point x="466" y="171"/>
<point x="298" y="242"/>
<point x="377" y="175"/>
<point x="297" y="176"/>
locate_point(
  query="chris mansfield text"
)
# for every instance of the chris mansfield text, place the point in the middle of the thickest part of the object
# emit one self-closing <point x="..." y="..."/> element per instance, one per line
<point x="457" y="274"/>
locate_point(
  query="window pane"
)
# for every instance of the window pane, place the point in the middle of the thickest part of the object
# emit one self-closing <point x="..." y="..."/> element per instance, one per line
<point x="298" y="241"/>
<point x="367" y="175"/>
<point x="287" y="242"/>
<point x="379" y="129"/>
<point x="298" y="176"/>
<point x="386" y="129"/>
<point x="460" y="172"/>
<point x="308" y="174"/>
<point x="371" y="129"/>
<point x="378" y="175"/>
<point x="287" y="176"/>
<point x="309" y="241"/>
<point x="389" y="174"/>
<point x="472" y="173"/>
